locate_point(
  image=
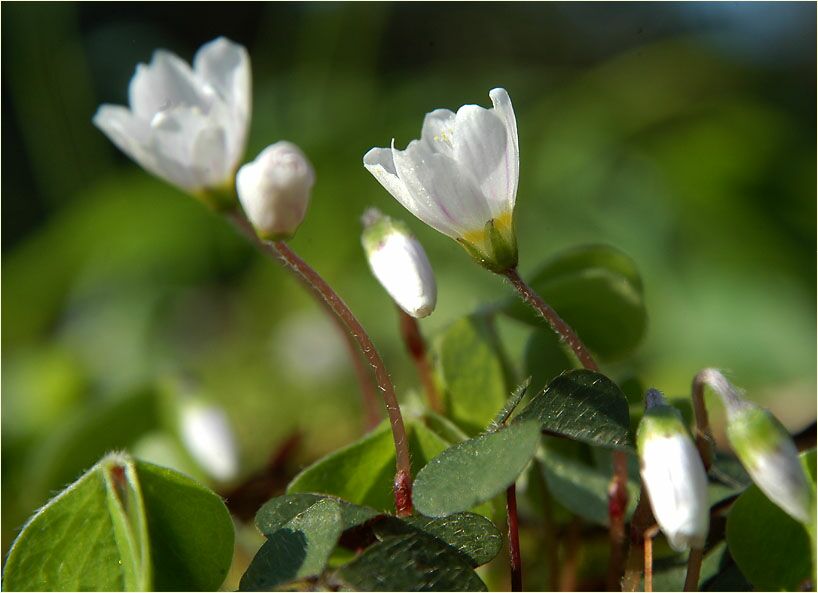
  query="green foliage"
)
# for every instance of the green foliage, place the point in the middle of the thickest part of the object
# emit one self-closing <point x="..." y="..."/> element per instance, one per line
<point x="545" y="357"/>
<point x="582" y="405"/>
<point x="598" y="291"/>
<point x="299" y="548"/>
<point x="476" y="470"/>
<point x="772" y="549"/>
<point x="363" y="472"/>
<point x="472" y="535"/>
<point x="468" y="361"/>
<point x="125" y="525"/>
<point x="718" y="572"/>
<point x="279" y="511"/>
<point x="415" y="561"/>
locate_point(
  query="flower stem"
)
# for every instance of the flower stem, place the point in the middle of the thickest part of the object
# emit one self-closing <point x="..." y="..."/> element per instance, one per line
<point x="514" y="538"/>
<point x="647" y="542"/>
<point x="617" y="491"/>
<point x="416" y="345"/>
<point x="282" y="253"/>
<point x="641" y="522"/>
<point x="704" y="437"/>
<point x="694" y="569"/>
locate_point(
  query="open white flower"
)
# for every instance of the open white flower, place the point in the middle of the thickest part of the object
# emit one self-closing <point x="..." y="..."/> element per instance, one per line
<point x="673" y="475"/>
<point x="399" y="262"/>
<point x="206" y="433"/>
<point x="461" y="177"/>
<point x="186" y="125"/>
<point x="274" y="190"/>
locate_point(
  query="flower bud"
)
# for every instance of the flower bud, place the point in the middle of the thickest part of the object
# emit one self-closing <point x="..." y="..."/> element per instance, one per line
<point x="274" y="190"/>
<point x="673" y="474"/>
<point x="764" y="448"/>
<point x="399" y="263"/>
<point x="207" y="435"/>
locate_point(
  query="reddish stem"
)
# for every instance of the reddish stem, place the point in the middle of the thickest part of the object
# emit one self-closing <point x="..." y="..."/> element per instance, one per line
<point x="694" y="569"/>
<point x="617" y="491"/>
<point x="514" y="539"/>
<point x="416" y="345"/>
<point x="282" y="253"/>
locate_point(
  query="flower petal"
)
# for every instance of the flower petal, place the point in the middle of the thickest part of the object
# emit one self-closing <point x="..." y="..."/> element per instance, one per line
<point x="166" y="83"/>
<point x="209" y="157"/>
<point x="401" y="266"/>
<point x="447" y="195"/>
<point x="438" y="131"/>
<point x="503" y="108"/>
<point x="130" y="134"/>
<point x="226" y="67"/>
<point x="480" y="141"/>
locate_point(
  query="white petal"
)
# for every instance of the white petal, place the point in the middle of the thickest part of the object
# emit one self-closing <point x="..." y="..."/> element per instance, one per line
<point x="401" y="266"/>
<point x="438" y="131"/>
<point x="134" y="137"/>
<point x="206" y="433"/>
<point x="780" y="476"/>
<point x="480" y="142"/>
<point x="380" y="162"/>
<point x="209" y="157"/>
<point x="225" y="66"/>
<point x="677" y="487"/>
<point x="453" y="203"/>
<point x="503" y="108"/>
<point x="175" y="134"/>
<point x="166" y="83"/>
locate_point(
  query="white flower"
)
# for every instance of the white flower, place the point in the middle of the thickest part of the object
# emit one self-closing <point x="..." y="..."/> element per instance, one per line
<point x="186" y="126"/>
<point x="673" y="475"/>
<point x="206" y="433"/>
<point x="274" y="190"/>
<point x="399" y="263"/>
<point x="461" y="177"/>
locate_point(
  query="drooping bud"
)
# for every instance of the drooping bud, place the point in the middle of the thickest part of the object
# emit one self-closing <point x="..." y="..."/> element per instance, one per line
<point x="399" y="263"/>
<point x="274" y="190"/>
<point x="206" y="433"/>
<point x="764" y="448"/>
<point x="673" y="474"/>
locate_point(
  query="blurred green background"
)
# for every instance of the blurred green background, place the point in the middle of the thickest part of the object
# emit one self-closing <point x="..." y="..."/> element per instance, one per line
<point x="682" y="133"/>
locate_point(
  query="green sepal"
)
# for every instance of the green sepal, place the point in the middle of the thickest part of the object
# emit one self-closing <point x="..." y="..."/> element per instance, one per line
<point x="659" y="421"/>
<point x="498" y="250"/>
<point x="219" y="199"/>
<point x="752" y="430"/>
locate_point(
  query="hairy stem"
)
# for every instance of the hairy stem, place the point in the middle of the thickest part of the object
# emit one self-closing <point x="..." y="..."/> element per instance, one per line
<point x="704" y="436"/>
<point x="282" y="253"/>
<point x="514" y="539"/>
<point x="694" y="569"/>
<point x="416" y="346"/>
<point x="617" y="492"/>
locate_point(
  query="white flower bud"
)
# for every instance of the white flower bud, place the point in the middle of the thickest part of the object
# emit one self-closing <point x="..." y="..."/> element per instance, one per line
<point x="274" y="190"/>
<point x="399" y="263"/>
<point x="206" y="433"/>
<point x="673" y="475"/>
<point x="764" y="448"/>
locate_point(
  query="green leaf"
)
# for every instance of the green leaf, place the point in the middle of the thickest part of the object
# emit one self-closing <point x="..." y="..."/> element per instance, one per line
<point x="470" y="534"/>
<point x="278" y="511"/>
<point x="511" y="404"/>
<point x="124" y="526"/>
<point x="190" y="528"/>
<point x="467" y="359"/>
<point x="717" y="572"/>
<point x="475" y="471"/>
<point x="585" y="406"/>
<point x="363" y="472"/>
<point x="412" y="562"/>
<point x="771" y="548"/>
<point x="597" y="290"/>
<point x="91" y="536"/>
<point x="300" y="548"/>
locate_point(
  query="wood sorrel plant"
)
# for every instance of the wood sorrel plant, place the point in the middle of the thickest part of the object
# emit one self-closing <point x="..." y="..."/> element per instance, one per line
<point x="549" y="447"/>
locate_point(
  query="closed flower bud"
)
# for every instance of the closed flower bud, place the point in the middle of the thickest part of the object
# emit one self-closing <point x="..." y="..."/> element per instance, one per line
<point x="274" y="190"/>
<point x="764" y="447"/>
<point x="206" y="433"/>
<point x="673" y="475"/>
<point x="399" y="263"/>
